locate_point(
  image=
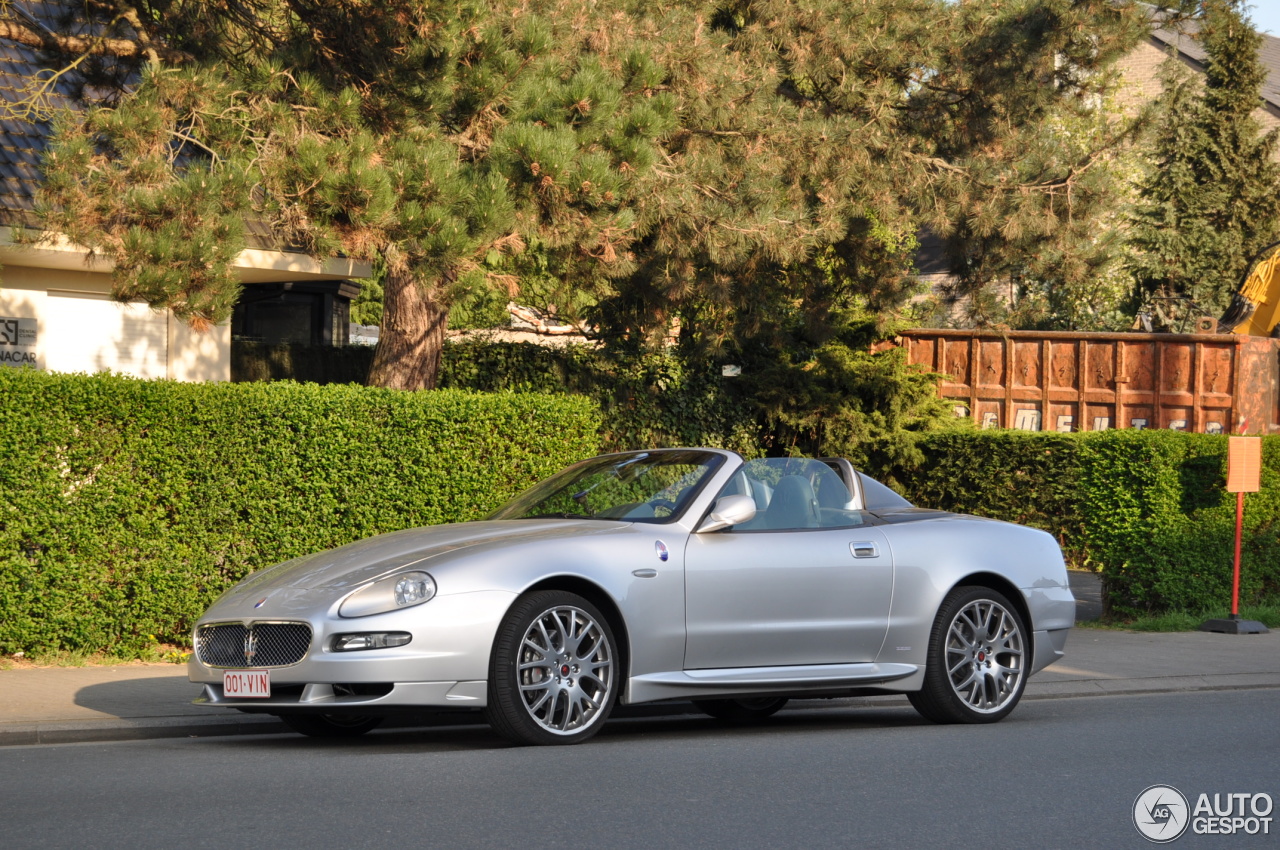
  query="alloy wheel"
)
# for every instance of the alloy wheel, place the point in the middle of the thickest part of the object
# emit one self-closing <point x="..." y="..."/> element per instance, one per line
<point x="984" y="656"/>
<point x="565" y="670"/>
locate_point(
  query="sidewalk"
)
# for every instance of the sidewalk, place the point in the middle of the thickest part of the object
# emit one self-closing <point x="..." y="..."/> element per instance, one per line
<point x="78" y="704"/>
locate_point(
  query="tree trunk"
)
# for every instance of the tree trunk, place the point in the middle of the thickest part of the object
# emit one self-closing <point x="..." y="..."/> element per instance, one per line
<point x="412" y="336"/>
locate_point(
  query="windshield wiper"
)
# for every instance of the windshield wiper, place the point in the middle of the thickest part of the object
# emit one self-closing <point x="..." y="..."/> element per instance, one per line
<point x="557" y="516"/>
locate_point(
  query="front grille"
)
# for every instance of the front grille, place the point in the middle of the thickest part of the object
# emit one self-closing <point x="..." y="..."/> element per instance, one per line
<point x="259" y="645"/>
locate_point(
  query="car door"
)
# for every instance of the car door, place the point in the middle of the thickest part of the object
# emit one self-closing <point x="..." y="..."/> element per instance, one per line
<point x="786" y="597"/>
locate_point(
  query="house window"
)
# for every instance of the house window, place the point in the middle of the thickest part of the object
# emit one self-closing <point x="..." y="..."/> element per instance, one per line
<point x="284" y="318"/>
<point x="310" y="313"/>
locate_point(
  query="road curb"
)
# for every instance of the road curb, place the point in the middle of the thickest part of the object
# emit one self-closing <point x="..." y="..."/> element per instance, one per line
<point x="82" y="732"/>
<point x="1154" y="685"/>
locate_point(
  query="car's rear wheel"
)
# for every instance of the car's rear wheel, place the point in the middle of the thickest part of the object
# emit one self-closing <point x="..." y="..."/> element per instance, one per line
<point x="741" y="710"/>
<point x="977" y="662"/>
<point x="554" y="671"/>
<point x="331" y="725"/>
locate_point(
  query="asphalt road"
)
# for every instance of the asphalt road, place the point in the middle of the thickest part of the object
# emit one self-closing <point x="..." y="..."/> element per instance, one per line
<point x="1057" y="773"/>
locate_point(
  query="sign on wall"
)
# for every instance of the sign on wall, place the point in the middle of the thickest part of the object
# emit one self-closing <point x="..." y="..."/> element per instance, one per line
<point x="17" y="341"/>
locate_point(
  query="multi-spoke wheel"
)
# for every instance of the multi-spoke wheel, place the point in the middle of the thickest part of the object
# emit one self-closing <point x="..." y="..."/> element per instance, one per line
<point x="554" y="670"/>
<point x="978" y="657"/>
<point x="741" y="710"/>
<point x="331" y="725"/>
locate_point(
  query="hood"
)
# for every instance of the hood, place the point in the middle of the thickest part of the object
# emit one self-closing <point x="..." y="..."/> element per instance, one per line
<point x="366" y="560"/>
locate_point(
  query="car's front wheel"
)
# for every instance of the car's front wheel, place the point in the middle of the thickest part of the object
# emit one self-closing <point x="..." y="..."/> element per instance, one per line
<point x="554" y="671"/>
<point x="331" y="725"/>
<point x="741" y="710"/>
<point x="977" y="662"/>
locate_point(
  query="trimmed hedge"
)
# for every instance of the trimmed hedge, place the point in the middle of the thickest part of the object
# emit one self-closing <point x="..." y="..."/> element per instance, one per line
<point x="651" y="401"/>
<point x="130" y="505"/>
<point x="1147" y="509"/>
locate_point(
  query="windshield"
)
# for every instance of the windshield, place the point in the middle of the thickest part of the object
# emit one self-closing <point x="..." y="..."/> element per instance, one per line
<point x="636" y="486"/>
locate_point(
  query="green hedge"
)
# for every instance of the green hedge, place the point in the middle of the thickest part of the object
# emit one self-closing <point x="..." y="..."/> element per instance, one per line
<point x="130" y="505"/>
<point x="653" y="400"/>
<point x="1147" y="509"/>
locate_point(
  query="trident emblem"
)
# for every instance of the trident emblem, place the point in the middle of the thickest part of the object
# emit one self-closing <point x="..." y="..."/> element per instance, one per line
<point x="250" y="646"/>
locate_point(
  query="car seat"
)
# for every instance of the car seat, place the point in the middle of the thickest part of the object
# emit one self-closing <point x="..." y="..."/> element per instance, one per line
<point x="793" y="505"/>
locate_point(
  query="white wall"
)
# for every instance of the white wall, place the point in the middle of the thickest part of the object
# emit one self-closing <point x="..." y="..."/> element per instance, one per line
<point x="80" y="329"/>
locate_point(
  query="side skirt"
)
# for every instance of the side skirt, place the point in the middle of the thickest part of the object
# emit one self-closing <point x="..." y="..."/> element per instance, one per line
<point x="688" y="684"/>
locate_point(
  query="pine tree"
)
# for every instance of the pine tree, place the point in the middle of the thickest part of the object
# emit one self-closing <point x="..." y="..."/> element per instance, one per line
<point x="752" y="171"/>
<point x="427" y="136"/>
<point x="1212" y="198"/>
<point x="814" y="140"/>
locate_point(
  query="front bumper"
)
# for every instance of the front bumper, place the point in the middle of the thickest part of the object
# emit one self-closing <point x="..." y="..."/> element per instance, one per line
<point x="446" y="663"/>
<point x="326" y="698"/>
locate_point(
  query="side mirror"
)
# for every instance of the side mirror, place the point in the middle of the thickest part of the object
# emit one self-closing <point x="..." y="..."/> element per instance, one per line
<point x="727" y="511"/>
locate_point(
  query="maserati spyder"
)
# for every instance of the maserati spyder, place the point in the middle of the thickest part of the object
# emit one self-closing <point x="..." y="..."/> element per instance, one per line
<point x="647" y="576"/>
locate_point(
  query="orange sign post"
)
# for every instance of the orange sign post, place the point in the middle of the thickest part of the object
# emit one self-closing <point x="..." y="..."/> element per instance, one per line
<point x="1244" y="475"/>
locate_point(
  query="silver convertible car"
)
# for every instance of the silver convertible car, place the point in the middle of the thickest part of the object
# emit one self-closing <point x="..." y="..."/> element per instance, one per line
<point x="673" y="574"/>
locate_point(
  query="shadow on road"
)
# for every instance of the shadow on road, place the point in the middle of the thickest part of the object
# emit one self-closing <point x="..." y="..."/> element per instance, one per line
<point x="466" y="732"/>
<point x="138" y="697"/>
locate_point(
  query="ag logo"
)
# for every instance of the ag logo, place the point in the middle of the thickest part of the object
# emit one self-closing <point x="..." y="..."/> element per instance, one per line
<point x="1160" y="813"/>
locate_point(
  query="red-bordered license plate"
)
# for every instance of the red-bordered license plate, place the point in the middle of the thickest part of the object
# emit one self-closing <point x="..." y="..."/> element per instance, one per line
<point x="246" y="683"/>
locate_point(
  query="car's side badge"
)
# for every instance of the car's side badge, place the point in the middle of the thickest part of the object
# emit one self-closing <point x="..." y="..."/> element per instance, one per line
<point x="661" y="549"/>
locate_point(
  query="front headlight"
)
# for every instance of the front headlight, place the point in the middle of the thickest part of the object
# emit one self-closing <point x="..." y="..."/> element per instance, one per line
<point x="403" y="590"/>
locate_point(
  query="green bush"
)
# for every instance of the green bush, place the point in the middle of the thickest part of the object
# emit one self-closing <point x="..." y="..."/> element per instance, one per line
<point x="1147" y="509"/>
<point x="1028" y="478"/>
<point x="1162" y="527"/>
<point x="130" y="505"/>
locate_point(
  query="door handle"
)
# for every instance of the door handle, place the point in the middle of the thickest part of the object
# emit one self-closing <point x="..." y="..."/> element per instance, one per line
<point x="864" y="549"/>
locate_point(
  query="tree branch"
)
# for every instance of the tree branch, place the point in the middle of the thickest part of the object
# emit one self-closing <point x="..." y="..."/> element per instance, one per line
<point x="72" y="45"/>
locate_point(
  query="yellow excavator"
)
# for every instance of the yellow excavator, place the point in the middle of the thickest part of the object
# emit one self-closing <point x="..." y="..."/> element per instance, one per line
<point x="1255" y="307"/>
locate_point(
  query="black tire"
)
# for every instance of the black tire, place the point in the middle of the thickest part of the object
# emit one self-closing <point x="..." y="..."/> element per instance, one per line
<point x="571" y="670"/>
<point x="331" y="725"/>
<point x="979" y="654"/>
<point x="741" y="711"/>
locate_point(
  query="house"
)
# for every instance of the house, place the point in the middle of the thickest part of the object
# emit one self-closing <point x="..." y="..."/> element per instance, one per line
<point x="1139" y="85"/>
<point x="56" y="312"/>
<point x="1140" y="70"/>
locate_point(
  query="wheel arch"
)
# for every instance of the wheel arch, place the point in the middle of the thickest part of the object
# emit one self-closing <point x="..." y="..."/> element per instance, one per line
<point x="599" y="597"/>
<point x="1002" y="585"/>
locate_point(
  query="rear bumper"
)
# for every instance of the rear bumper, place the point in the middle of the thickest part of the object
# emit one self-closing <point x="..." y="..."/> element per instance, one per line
<point x="1049" y="647"/>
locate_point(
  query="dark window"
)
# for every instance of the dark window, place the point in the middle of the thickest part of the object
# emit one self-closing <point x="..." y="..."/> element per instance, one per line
<point x="288" y="317"/>
<point x="297" y="312"/>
